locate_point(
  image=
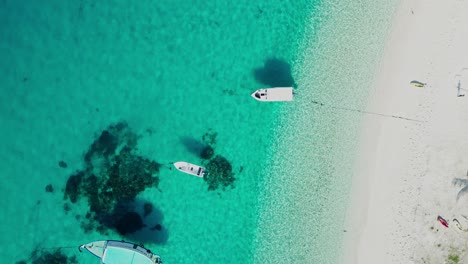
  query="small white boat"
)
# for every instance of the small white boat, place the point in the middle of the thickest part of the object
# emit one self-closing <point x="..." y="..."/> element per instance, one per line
<point x="275" y="94"/>
<point x="190" y="168"/>
<point x="121" y="252"/>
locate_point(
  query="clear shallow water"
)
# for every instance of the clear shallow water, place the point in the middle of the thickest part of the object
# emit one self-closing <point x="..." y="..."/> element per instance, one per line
<point x="175" y="70"/>
<point x="311" y="162"/>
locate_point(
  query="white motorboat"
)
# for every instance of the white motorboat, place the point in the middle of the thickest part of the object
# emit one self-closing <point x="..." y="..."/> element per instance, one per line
<point x="276" y="94"/>
<point x="121" y="252"/>
<point x="190" y="168"/>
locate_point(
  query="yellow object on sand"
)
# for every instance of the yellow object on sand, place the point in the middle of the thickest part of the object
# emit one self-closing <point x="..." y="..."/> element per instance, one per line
<point x="417" y="84"/>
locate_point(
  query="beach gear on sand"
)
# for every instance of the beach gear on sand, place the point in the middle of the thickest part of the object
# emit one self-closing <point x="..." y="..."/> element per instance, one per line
<point x="417" y="83"/>
<point x="442" y="221"/>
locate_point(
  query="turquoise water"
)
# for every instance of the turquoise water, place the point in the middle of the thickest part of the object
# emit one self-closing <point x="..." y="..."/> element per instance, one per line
<point x="174" y="71"/>
<point x="311" y="162"/>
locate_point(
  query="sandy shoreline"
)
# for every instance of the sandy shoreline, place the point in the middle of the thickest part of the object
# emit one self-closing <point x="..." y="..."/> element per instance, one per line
<point x="410" y="172"/>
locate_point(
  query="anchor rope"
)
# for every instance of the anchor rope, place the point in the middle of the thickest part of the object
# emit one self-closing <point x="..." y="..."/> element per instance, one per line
<point x="367" y="112"/>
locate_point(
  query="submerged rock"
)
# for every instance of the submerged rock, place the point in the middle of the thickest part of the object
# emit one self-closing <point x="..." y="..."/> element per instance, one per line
<point x="51" y="257"/>
<point x="62" y="164"/>
<point x="73" y="186"/>
<point x="49" y="188"/>
<point x="219" y="173"/>
<point x="209" y="138"/>
<point x="207" y="152"/>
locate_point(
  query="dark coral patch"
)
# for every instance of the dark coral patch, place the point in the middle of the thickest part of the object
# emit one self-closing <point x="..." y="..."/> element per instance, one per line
<point x="114" y="175"/>
<point x="219" y="169"/>
<point x="49" y="188"/>
<point x="207" y="152"/>
<point x="51" y="257"/>
<point x="62" y="164"/>
<point x="219" y="173"/>
<point x="72" y="189"/>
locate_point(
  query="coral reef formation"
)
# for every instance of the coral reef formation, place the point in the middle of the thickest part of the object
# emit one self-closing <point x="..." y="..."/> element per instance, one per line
<point x="112" y="178"/>
<point x="219" y="169"/>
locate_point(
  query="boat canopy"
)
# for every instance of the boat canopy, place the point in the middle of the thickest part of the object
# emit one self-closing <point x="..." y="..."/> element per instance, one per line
<point x="119" y="255"/>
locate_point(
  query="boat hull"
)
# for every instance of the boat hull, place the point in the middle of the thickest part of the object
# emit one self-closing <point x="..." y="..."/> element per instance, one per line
<point x="277" y="94"/>
<point x="190" y="168"/>
<point x="96" y="248"/>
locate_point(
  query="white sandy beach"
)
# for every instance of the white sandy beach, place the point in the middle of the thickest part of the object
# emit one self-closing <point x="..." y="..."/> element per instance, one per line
<point x="407" y="171"/>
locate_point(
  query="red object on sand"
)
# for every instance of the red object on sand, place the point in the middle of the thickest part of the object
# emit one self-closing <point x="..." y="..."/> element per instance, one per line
<point x="442" y="221"/>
